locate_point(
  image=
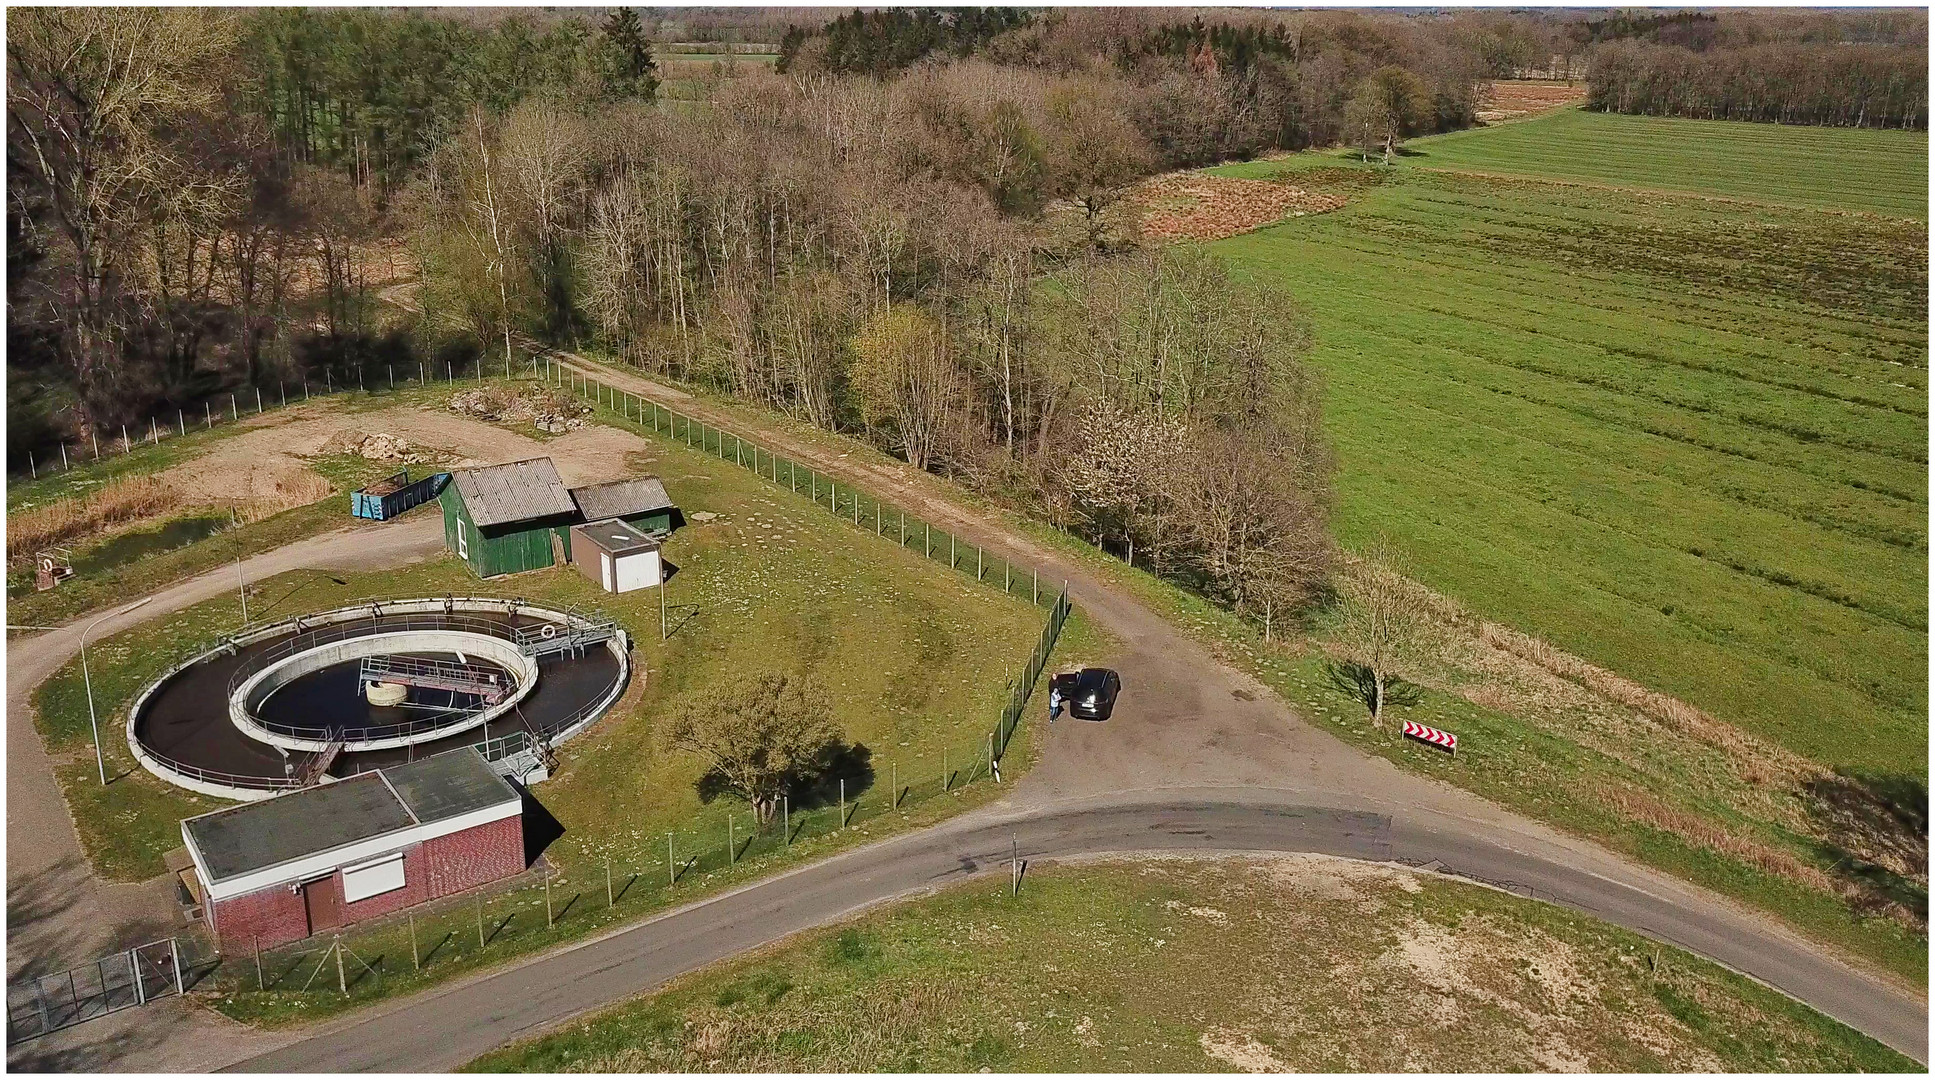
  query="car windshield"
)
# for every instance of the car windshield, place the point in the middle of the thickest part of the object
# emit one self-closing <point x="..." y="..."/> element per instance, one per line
<point x="1090" y="681"/>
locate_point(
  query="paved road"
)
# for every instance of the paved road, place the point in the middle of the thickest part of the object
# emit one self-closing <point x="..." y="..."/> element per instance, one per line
<point x="472" y="1018"/>
<point x="58" y="912"/>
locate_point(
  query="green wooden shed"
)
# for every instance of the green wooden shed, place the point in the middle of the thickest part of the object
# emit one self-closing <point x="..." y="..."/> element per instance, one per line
<point x="503" y="519"/>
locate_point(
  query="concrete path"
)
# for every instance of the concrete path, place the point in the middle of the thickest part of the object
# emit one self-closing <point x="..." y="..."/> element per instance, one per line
<point x="475" y="1016"/>
<point x="58" y="913"/>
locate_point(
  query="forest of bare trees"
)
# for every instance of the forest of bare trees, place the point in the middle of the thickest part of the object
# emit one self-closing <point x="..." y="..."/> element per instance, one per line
<point x="918" y="233"/>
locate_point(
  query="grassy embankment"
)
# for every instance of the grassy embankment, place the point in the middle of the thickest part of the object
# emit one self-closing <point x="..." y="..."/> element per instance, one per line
<point x="1290" y="964"/>
<point x="912" y="657"/>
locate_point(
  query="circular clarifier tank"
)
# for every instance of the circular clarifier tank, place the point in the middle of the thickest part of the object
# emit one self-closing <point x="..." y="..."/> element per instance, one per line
<point x="293" y="704"/>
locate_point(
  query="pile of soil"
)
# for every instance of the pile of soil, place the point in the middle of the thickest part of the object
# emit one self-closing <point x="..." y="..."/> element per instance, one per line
<point x="547" y="410"/>
<point x="377" y="446"/>
<point x="1510" y="99"/>
<point x="1194" y="206"/>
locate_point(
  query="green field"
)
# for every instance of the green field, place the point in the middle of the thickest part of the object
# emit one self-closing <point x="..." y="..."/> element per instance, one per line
<point x="1221" y="966"/>
<point x="1683" y="438"/>
<point x="1838" y="168"/>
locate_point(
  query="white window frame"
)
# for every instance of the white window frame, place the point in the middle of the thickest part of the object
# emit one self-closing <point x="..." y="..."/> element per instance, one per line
<point x="377" y="876"/>
<point x="463" y="540"/>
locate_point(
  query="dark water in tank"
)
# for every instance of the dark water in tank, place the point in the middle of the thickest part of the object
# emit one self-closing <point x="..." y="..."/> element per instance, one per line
<point x="333" y="698"/>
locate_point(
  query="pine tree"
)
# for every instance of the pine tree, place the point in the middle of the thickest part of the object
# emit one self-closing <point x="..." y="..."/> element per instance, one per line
<point x="626" y="66"/>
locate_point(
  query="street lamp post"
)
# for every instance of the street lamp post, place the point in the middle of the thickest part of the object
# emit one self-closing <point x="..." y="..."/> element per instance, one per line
<point x="87" y="678"/>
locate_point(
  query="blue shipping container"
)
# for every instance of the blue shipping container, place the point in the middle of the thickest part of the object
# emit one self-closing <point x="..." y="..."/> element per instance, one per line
<point x="394" y="494"/>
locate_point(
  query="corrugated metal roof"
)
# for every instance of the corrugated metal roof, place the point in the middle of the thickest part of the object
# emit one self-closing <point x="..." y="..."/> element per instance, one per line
<point x="517" y="491"/>
<point x="621" y="498"/>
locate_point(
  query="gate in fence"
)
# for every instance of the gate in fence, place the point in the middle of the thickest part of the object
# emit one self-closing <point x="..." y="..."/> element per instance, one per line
<point x="47" y="1003"/>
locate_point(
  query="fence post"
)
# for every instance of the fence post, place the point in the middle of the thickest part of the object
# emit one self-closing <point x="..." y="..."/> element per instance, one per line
<point x="944" y="777"/>
<point x="134" y="964"/>
<point x="731" y="856"/>
<point x="126" y="446"/>
<point x="480" y="906"/>
<point x="786" y="818"/>
<point x="903" y="528"/>
<point x="260" y="983"/>
<point x="671" y="874"/>
<point x="950" y="550"/>
<point x="181" y="421"/>
<point x="342" y="983"/>
<point x="208" y="420"/>
<point x="234" y="409"/>
<point x="63" y="454"/>
<point x="547" y="898"/>
<point x="894" y="768"/>
<point x="843" y="802"/>
<point x="414" y="964"/>
<point x="258" y="401"/>
<point x="33" y="471"/>
<point x="1037" y="575"/>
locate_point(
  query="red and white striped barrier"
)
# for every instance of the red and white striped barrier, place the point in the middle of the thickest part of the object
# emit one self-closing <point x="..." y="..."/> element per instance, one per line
<point x="1443" y="739"/>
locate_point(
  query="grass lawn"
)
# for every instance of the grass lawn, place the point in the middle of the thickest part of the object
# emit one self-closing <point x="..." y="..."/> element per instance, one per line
<point x="1167" y="965"/>
<point x="1836" y="168"/>
<point x="1684" y="439"/>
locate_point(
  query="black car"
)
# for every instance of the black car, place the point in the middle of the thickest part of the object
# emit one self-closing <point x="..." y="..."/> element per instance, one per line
<point x="1093" y="695"/>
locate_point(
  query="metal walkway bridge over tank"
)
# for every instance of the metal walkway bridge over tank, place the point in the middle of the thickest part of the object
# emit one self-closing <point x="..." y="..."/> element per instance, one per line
<point x="491" y="685"/>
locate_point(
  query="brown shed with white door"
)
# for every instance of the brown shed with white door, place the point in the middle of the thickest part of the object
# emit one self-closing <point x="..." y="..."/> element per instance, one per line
<point x="616" y="555"/>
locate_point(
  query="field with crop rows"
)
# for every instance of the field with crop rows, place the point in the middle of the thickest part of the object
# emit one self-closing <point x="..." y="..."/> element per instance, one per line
<point x="1684" y="438"/>
<point x="1840" y="168"/>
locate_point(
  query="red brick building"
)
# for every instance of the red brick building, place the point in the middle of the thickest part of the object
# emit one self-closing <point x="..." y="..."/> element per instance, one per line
<point x="280" y="870"/>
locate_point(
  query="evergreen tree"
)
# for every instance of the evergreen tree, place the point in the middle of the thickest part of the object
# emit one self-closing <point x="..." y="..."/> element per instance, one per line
<point x="626" y="65"/>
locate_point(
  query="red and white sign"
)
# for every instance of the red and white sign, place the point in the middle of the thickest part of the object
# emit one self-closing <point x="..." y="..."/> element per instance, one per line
<point x="1431" y="735"/>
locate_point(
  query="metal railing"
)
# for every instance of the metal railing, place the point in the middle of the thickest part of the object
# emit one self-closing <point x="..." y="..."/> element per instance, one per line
<point x="192" y="650"/>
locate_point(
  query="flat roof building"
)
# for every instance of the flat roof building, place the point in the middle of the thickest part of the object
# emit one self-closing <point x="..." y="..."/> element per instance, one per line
<point x="282" y="869"/>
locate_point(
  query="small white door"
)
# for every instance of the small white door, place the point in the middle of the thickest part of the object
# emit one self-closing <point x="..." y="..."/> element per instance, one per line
<point x="604" y="568"/>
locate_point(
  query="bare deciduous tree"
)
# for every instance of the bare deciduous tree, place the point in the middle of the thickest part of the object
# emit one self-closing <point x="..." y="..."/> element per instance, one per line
<point x="1382" y="619"/>
<point x="91" y="93"/>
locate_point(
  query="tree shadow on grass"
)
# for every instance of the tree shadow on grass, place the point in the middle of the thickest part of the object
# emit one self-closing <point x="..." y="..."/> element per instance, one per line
<point x="1360" y="682"/>
<point x="851" y="762"/>
<point x="1876" y="828"/>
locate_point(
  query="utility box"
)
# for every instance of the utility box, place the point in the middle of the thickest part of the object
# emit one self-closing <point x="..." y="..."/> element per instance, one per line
<point x="616" y="555"/>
